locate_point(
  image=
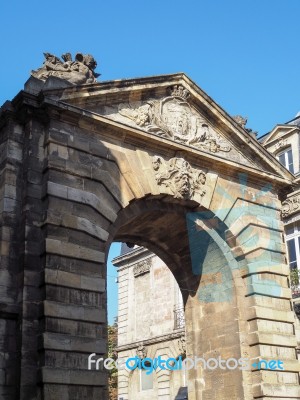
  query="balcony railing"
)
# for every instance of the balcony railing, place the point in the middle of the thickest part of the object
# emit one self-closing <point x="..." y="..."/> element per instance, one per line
<point x="179" y="321"/>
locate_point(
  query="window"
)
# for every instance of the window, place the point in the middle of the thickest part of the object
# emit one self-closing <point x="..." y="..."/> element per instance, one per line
<point x="286" y="159"/>
<point x="293" y="249"/>
<point x="146" y="380"/>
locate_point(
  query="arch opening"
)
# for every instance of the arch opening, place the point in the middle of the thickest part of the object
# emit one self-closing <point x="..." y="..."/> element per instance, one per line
<point x="208" y="292"/>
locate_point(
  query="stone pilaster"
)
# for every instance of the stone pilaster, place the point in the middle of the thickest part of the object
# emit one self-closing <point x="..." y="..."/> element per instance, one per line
<point x="11" y="252"/>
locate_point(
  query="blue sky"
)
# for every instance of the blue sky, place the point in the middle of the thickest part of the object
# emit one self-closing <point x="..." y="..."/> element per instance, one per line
<point x="243" y="53"/>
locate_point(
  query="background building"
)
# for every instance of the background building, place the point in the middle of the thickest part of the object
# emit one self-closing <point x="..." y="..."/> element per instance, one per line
<point x="150" y="324"/>
<point x="284" y="142"/>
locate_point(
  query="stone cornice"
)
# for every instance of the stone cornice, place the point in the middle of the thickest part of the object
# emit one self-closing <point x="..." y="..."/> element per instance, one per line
<point x="163" y="338"/>
<point x="135" y="136"/>
<point x="151" y="83"/>
<point x="130" y="258"/>
<point x="293" y="129"/>
<point x="46" y="101"/>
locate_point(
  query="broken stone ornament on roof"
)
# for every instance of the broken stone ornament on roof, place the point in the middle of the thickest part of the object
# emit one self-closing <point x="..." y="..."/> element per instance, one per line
<point x="77" y="72"/>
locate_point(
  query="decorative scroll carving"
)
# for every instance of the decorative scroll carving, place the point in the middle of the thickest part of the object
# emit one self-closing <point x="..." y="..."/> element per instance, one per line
<point x="177" y="175"/>
<point x="179" y="91"/>
<point x="173" y="118"/>
<point x="141" y="352"/>
<point x="281" y="143"/>
<point x="141" y="268"/>
<point x="182" y="345"/>
<point x="179" y="318"/>
<point x="77" y="72"/>
<point x="290" y="206"/>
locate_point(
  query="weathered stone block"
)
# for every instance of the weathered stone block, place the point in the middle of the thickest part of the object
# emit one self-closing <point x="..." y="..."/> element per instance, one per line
<point x="55" y="341"/>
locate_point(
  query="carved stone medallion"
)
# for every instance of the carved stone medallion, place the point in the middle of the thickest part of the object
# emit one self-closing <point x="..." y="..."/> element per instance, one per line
<point x="173" y="118"/>
<point x="179" y="177"/>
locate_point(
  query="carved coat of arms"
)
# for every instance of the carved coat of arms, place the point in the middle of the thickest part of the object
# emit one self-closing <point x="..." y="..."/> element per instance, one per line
<point x="173" y="118"/>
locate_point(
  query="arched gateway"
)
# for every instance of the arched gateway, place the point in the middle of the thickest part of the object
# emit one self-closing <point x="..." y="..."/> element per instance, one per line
<point x="156" y="162"/>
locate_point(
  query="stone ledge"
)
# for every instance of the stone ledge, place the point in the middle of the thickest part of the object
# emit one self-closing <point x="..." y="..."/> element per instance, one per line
<point x="277" y="398"/>
<point x="270" y="327"/>
<point x="279" y="269"/>
<point x="72" y="280"/>
<point x="176" y="334"/>
<point x="257" y="312"/>
<point x="76" y="223"/>
<point x="59" y="341"/>
<point x="82" y="197"/>
<point x="281" y="391"/>
<point x="272" y="339"/>
<point x="71" y="250"/>
<point x="73" y="377"/>
<point x="268" y="290"/>
<point x="73" y="312"/>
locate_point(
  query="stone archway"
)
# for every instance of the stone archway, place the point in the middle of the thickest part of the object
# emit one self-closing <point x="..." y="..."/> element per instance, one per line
<point x="212" y="324"/>
<point x="83" y="166"/>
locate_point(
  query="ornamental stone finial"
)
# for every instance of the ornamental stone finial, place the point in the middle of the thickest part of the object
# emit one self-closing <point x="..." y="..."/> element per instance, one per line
<point x="241" y="120"/>
<point x="77" y="72"/>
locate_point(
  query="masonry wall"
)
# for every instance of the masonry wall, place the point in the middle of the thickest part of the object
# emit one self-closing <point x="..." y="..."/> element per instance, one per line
<point x="52" y="279"/>
<point x="11" y="253"/>
<point x="67" y="178"/>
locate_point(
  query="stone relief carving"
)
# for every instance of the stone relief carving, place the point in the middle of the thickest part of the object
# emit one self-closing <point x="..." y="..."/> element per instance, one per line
<point x="243" y="122"/>
<point x="281" y="143"/>
<point x="141" y="352"/>
<point x="182" y="345"/>
<point x="78" y="72"/>
<point x="177" y="175"/>
<point x="173" y="118"/>
<point x="290" y="206"/>
<point x="141" y="268"/>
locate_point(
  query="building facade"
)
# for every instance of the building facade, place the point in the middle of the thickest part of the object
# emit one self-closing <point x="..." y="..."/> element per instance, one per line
<point x="151" y="312"/>
<point x="284" y="142"/>
<point x="150" y="324"/>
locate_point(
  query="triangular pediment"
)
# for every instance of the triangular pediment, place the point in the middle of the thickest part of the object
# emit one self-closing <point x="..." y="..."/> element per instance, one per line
<point x="279" y="132"/>
<point x="174" y="108"/>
